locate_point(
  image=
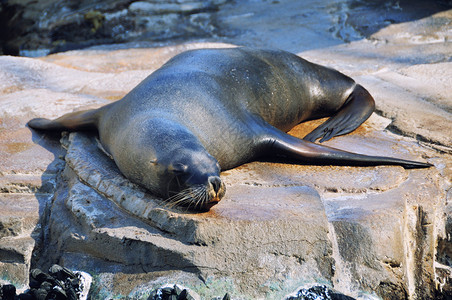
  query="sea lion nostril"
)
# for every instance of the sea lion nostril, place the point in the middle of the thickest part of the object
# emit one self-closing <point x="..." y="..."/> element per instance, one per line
<point x="215" y="181"/>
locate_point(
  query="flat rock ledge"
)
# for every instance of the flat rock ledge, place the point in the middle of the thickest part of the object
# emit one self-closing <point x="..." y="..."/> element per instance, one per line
<point x="266" y="237"/>
<point x="251" y="241"/>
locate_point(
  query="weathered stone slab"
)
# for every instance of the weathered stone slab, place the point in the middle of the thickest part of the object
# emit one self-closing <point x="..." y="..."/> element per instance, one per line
<point x="367" y="208"/>
<point x="20" y="214"/>
<point x="379" y="237"/>
<point x="266" y="237"/>
<point x="15" y="260"/>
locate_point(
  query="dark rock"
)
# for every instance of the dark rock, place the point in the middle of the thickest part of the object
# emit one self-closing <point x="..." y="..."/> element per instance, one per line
<point x="39" y="294"/>
<point x="175" y="292"/>
<point x="61" y="273"/>
<point x="61" y="283"/>
<point x="319" y="292"/>
<point x="46" y="286"/>
<point x="26" y="297"/>
<point x="41" y="277"/>
<point x="8" y="292"/>
<point x="73" y="24"/>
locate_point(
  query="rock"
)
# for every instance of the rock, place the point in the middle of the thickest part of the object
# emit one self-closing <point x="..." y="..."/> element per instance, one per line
<point x="59" y="283"/>
<point x="173" y="292"/>
<point x="379" y="231"/>
<point x="317" y="293"/>
<point x="8" y="292"/>
<point x="166" y="8"/>
<point x="15" y="254"/>
<point x="210" y="243"/>
<point x="75" y="25"/>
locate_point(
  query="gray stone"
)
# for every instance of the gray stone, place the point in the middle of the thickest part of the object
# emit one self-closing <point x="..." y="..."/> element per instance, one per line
<point x="253" y="232"/>
<point x="15" y="260"/>
<point x="20" y="214"/>
<point x="165" y="8"/>
<point x="38" y="28"/>
<point x="366" y="232"/>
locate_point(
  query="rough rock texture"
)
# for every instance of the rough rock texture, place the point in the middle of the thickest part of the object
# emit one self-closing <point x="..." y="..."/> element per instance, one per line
<point x="38" y="27"/>
<point x="377" y="231"/>
<point x="211" y="245"/>
<point x="34" y="28"/>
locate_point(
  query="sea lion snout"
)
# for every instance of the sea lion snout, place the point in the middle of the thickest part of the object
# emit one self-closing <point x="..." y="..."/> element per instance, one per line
<point x="215" y="191"/>
<point x="194" y="180"/>
<point x="197" y="196"/>
<point x="215" y="183"/>
<point x="216" y="188"/>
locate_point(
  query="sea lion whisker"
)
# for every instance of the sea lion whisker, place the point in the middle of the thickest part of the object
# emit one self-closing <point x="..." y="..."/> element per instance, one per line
<point x="183" y="202"/>
<point x="197" y="197"/>
<point x="185" y="197"/>
<point x="206" y="197"/>
<point x="179" y="196"/>
<point x="176" y="199"/>
<point x="200" y="199"/>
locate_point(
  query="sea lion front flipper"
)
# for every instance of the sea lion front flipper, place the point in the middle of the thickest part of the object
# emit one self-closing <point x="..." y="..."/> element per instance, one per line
<point x="281" y="143"/>
<point x="357" y="109"/>
<point x="80" y="120"/>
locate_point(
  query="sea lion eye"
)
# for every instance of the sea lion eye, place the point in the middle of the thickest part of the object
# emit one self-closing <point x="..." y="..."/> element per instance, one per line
<point x="178" y="168"/>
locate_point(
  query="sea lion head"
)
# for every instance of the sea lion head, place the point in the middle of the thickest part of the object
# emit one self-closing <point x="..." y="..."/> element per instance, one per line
<point x="193" y="179"/>
<point x="176" y="166"/>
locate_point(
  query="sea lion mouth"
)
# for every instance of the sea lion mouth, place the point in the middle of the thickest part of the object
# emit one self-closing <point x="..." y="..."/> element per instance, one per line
<point x="197" y="198"/>
<point x="209" y="205"/>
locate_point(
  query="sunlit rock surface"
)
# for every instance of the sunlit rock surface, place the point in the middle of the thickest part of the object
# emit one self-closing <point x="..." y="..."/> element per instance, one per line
<point x="379" y="231"/>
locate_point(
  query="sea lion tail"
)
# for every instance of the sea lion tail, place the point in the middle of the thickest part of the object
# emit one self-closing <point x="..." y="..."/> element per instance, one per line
<point x="80" y="120"/>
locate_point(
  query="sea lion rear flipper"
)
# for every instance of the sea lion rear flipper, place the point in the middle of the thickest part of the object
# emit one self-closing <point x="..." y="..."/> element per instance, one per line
<point x="278" y="142"/>
<point x="80" y="120"/>
<point x="357" y="109"/>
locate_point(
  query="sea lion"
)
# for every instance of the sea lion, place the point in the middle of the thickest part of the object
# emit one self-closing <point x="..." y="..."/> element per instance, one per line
<point x="211" y="109"/>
